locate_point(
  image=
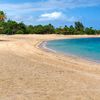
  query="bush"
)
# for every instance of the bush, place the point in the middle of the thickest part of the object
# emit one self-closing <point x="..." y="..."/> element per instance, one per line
<point x="89" y="31"/>
<point x="20" y="32"/>
<point x="7" y="31"/>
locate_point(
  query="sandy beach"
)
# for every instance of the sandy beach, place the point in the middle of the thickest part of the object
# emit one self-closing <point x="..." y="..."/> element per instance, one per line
<point x="28" y="72"/>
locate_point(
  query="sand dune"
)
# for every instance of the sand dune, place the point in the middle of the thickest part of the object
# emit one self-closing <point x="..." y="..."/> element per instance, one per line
<point x="28" y="72"/>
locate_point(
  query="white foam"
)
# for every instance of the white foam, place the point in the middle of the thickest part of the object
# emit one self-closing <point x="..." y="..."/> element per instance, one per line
<point x="44" y="45"/>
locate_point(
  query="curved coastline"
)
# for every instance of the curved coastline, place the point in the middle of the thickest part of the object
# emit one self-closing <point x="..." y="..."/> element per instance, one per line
<point x="43" y="46"/>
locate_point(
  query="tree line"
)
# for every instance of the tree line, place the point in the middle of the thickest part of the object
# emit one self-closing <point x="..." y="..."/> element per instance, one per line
<point x="11" y="27"/>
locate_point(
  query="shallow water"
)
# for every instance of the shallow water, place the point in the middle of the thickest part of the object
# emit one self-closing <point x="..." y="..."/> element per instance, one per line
<point x="88" y="48"/>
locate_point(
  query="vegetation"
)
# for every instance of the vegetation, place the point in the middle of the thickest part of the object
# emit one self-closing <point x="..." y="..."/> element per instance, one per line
<point x="10" y="27"/>
<point x="2" y="16"/>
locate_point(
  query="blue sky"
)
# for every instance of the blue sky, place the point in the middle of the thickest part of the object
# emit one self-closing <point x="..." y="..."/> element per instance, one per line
<point x="56" y="12"/>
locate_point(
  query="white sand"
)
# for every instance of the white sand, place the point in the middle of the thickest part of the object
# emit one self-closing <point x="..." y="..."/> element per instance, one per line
<point x="28" y="72"/>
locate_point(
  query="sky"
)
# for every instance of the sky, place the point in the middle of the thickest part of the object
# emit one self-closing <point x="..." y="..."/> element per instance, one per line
<point x="56" y="12"/>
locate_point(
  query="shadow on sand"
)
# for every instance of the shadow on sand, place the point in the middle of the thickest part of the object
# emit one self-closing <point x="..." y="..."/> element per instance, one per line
<point x="4" y="40"/>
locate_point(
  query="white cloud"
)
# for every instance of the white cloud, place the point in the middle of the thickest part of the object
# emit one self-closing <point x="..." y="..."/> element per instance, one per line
<point x="30" y="9"/>
<point x="56" y="16"/>
<point x="50" y="16"/>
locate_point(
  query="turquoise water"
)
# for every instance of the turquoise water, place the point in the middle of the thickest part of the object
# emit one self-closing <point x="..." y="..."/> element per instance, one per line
<point x="88" y="48"/>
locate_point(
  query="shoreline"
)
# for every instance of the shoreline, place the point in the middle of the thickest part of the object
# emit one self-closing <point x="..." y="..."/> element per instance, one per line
<point x="42" y="46"/>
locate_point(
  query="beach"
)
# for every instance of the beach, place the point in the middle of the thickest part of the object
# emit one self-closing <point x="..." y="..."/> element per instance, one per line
<point x="30" y="72"/>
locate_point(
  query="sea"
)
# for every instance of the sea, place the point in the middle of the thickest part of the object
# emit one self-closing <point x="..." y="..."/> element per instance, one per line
<point x="87" y="48"/>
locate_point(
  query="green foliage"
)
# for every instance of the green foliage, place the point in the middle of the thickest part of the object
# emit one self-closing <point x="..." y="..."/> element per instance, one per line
<point x="89" y="31"/>
<point x="1" y="27"/>
<point x="97" y="31"/>
<point x="2" y="16"/>
<point x="40" y="29"/>
<point x="71" y="30"/>
<point x="20" y="32"/>
<point x="59" y="30"/>
<point x="49" y="29"/>
<point x="30" y="29"/>
<point x="8" y="31"/>
<point x="12" y="27"/>
<point x="22" y="26"/>
<point x="79" y="26"/>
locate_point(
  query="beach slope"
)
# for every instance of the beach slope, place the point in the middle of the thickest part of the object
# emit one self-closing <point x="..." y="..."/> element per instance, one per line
<point x="28" y="72"/>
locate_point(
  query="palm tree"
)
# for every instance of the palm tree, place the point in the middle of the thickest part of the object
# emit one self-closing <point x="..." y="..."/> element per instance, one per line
<point x="2" y="16"/>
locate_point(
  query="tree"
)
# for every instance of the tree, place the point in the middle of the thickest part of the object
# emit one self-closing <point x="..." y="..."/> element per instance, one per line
<point x="1" y="27"/>
<point x="39" y="29"/>
<point x="79" y="26"/>
<point x="60" y="30"/>
<point x="12" y="26"/>
<point x="2" y="19"/>
<point x="66" y="30"/>
<point x="89" y="31"/>
<point x="97" y="31"/>
<point x="49" y="29"/>
<point x="2" y="16"/>
<point x="71" y="30"/>
<point x="30" y="29"/>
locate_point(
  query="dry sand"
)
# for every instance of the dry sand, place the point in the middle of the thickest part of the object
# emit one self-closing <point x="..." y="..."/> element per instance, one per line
<point x="28" y="72"/>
